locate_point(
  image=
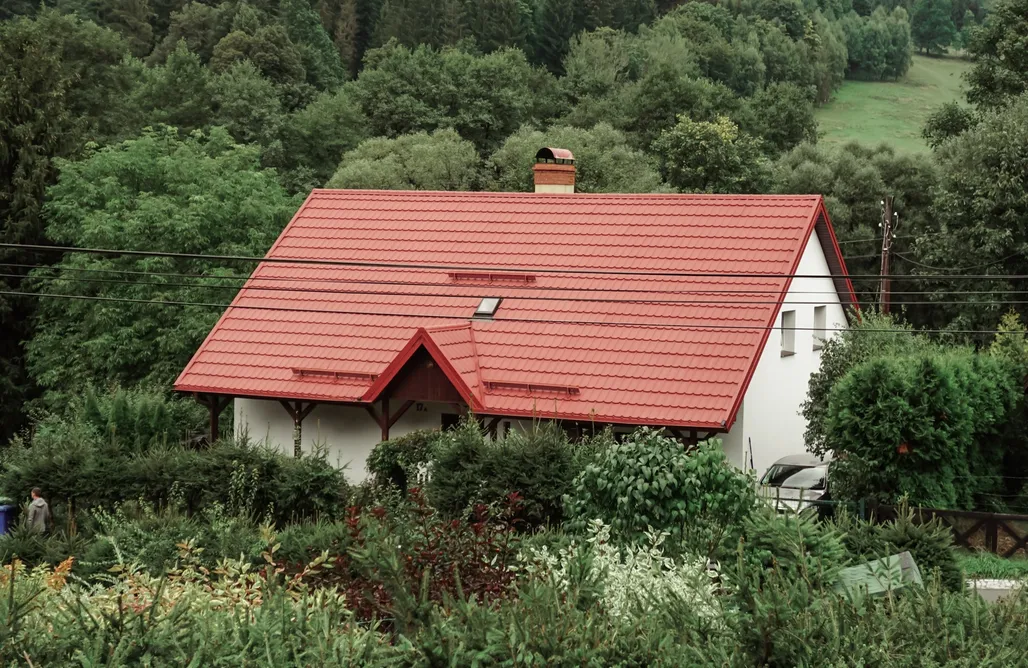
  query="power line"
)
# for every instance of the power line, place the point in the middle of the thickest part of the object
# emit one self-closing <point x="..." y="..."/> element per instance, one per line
<point x="474" y="268"/>
<point x="415" y="293"/>
<point x="976" y="266"/>
<point x="437" y="316"/>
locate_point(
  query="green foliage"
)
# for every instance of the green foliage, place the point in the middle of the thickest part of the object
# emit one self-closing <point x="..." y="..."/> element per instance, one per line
<point x="403" y="462"/>
<point x="421" y="161"/>
<point x="482" y="98"/>
<point x="713" y="157"/>
<point x="878" y="46"/>
<point x="537" y="465"/>
<point x="785" y="115"/>
<point x="931" y="27"/>
<point x="797" y="546"/>
<point x="947" y="121"/>
<point x="853" y="178"/>
<point x="178" y="92"/>
<point x="1000" y="72"/>
<point x="992" y="566"/>
<point x="605" y="163"/>
<point x="315" y="138"/>
<point x="199" y="195"/>
<point x="649" y="480"/>
<point x="870" y="337"/>
<point x="930" y="543"/>
<point x="980" y="209"/>
<point x="918" y="426"/>
<point x="107" y="452"/>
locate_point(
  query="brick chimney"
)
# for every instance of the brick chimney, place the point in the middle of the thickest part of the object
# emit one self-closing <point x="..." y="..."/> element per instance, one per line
<point x="554" y="171"/>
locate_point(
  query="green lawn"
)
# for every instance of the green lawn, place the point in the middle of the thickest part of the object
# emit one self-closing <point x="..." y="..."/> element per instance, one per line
<point x="872" y="112"/>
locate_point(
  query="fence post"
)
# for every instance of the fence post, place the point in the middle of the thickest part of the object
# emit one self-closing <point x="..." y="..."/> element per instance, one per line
<point x="862" y="510"/>
<point x="992" y="535"/>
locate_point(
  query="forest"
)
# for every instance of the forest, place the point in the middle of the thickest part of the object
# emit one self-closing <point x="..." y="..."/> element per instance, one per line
<point x="198" y="127"/>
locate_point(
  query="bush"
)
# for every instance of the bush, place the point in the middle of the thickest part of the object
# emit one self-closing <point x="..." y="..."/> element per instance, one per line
<point x="403" y="461"/>
<point x="918" y="427"/>
<point x="537" y="465"/>
<point x="651" y="481"/>
<point x="78" y="467"/>
<point x="795" y="545"/>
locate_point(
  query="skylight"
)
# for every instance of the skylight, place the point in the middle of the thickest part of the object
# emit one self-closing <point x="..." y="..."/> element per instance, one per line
<point x="487" y="308"/>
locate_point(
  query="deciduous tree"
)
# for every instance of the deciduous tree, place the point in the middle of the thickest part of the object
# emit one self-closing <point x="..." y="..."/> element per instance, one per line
<point x="421" y="161"/>
<point x="203" y="195"/>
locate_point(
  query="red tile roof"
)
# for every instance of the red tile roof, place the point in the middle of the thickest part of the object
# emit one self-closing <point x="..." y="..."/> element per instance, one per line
<point x="337" y="333"/>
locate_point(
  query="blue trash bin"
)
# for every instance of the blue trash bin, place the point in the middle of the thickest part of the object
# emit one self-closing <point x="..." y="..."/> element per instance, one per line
<point x="7" y="518"/>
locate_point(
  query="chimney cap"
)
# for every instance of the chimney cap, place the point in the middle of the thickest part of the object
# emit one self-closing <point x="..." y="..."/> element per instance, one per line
<point x="557" y="155"/>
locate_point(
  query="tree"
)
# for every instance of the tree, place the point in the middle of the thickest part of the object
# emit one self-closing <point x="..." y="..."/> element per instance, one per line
<point x="785" y="115"/>
<point x="269" y="49"/>
<point x="246" y="104"/>
<point x="317" y="52"/>
<point x="853" y="179"/>
<point x="871" y="336"/>
<point x="554" y="27"/>
<point x="421" y="161"/>
<point x="604" y="161"/>
<point x="315" y="138"/>
<point x="178" y="92"/>
<point x="947" y="121"/>
<point x="201" y="25"/>
<point x="713" y="157"/>
<point x="499" y="23"/>
<point x="46" y="112"/>
<point x="981" y="211"/>
<point x="341" y="19"/>
<point x="203" y="195"/>
<point x="931" y="27"/>
<point x="1000" y="69"/>
<point x="484" y="98"/>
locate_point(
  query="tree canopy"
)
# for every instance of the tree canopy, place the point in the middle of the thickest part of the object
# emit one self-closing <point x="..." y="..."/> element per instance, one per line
<point x="200" y="195"/>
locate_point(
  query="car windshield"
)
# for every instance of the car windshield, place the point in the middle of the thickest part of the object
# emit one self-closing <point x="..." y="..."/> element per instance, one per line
<point x="796" y="477"/>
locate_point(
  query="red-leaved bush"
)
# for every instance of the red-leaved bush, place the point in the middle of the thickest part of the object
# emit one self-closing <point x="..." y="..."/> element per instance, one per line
<point x="399" y="560"/>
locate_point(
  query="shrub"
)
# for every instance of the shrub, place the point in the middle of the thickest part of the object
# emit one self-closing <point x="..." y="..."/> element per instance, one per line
<point x="538" y="465"/>
<point x="930" y="543"/>
<point x="650" y="480"/>
<point x="636" y="582"/>
<point x="79" y="468"/>
<point x="795" y="545"/>
<point x="403" y="461"/>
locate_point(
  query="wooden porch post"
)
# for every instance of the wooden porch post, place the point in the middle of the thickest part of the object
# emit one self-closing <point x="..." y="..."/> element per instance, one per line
<point x="215" y="404"/>
<point x="298" y="412"/>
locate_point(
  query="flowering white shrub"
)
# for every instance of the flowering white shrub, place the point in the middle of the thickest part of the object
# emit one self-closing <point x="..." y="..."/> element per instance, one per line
<point x="635" y="581"/>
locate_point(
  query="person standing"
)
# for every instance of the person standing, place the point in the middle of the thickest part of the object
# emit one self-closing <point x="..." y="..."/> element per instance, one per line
<point x="39" y="512"/>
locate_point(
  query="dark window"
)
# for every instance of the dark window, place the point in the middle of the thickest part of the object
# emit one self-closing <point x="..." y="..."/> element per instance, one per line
<point x="450" y="420"/>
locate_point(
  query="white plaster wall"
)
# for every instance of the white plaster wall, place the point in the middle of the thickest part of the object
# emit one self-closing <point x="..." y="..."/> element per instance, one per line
<point x="347" y="432"/>
<point x="770" y="417"/>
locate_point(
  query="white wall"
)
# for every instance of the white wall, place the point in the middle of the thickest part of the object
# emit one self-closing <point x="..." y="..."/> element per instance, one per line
<point x="770" y="416"/>
<point x="347" y="432"/>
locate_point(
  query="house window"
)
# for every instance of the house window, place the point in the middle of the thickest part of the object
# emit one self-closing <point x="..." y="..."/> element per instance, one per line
<point x="450" y="421"/>
<point x="820" y="320"/>
<point x="788" y="333"/>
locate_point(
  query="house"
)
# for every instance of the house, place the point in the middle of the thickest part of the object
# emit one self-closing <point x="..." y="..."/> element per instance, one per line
<point x="377" y="313"/>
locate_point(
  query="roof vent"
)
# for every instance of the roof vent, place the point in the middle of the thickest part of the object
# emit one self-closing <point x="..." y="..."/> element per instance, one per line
<point x="554" y="171"/>
<point x="487" y="307"/>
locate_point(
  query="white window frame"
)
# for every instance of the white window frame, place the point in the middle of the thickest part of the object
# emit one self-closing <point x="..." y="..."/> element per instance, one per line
<point x="820" y="326"/>
<point x="788" y="329"/>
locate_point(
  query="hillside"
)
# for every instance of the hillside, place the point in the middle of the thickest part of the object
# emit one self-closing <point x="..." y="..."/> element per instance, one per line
<point x="892" y="112"/>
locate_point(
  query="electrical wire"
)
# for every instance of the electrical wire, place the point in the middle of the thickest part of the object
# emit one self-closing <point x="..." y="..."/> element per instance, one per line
<point x="475" y="268"/>
<point x="976" y="266"/>
<point x="438" y="316"/>
<point x="415" y="293"/>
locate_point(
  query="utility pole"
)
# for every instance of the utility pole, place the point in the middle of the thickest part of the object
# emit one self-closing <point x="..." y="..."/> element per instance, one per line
<point x="888" y="225"/>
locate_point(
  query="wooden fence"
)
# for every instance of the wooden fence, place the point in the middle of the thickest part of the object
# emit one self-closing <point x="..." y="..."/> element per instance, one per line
<point x="999" y="533"/>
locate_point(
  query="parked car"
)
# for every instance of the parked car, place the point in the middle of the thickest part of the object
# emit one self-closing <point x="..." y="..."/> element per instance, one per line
<point x="797" y="482"/>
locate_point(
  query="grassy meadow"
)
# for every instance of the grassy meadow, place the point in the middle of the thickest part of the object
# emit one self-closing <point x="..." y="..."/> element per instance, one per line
<point x="872" y="112"/>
